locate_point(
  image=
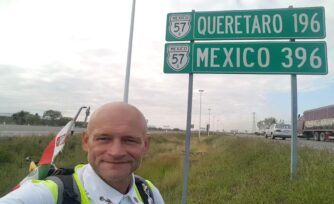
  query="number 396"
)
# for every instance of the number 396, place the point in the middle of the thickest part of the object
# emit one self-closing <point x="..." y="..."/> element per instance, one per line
<point x="301" y="55"/>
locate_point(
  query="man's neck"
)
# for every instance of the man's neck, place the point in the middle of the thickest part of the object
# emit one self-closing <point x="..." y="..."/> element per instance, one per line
<point x="121" y="186"/>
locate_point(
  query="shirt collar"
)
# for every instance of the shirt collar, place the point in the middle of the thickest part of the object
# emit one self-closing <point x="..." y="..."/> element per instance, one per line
<point x="98" y="190"/>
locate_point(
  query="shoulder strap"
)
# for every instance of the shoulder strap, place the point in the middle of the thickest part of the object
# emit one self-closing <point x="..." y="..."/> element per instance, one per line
<point x="62" y="171"/>
<point x="68" y="192"/>
<point x="144" y="189"/>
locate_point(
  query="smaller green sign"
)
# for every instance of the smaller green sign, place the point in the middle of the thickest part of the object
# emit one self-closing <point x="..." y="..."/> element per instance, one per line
<point x="308" y="58"/>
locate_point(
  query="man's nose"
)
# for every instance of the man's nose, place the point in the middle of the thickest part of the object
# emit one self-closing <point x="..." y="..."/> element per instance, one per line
<point x="116" y="149"/>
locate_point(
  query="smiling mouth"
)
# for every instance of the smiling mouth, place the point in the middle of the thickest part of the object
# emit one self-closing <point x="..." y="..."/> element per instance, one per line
<point x="117" y="162"/>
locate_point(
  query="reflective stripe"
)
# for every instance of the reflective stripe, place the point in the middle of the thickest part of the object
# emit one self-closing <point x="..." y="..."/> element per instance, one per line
<point x="52" y="186"/>
<point x="83" y="195"/>
<point x="150" y="184"/>
<point x="138" y="194"/>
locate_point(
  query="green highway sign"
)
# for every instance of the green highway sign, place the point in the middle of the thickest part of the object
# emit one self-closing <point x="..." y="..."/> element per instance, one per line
<point x="299" y="23"/>
<point x="307" y="58"/>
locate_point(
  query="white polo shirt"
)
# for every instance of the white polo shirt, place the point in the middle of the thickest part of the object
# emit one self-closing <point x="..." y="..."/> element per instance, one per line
<point x="97" y="191"/>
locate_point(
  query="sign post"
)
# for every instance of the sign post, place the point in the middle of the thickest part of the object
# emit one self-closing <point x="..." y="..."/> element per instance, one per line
<point x="187" y="142"/>
<point x="293" y="168"/>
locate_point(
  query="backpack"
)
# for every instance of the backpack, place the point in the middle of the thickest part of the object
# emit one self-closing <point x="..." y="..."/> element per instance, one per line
<point x="68" y="192"/>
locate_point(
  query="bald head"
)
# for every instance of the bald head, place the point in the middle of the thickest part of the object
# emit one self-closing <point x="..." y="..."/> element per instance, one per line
<point x="119" y="112"/>
<point x="116" y="142"/>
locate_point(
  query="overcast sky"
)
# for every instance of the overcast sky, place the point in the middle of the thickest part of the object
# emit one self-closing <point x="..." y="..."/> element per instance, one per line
<point x="65" y="54"/>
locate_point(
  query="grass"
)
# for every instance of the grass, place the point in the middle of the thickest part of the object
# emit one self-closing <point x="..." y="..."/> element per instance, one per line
<point x="223" y="169"/>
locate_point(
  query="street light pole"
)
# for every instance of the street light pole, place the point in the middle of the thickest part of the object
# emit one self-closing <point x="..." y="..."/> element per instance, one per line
<point x="209" y="123"/>
<point x="254" y="126"/>
<point x="200" y="112"/>
<point x="213" y="126"/>
<point x="128" y="63"/>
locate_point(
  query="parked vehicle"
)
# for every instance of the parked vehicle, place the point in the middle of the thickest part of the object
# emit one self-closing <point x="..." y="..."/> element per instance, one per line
<point x="261" y="132"/>
<point x="317" y="123"/>
<point x="279" y="130"/>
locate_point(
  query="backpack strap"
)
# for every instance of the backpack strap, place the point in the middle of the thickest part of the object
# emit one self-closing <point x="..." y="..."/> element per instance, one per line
<point x="145" y="189"/>
<point x="62" y="171"/>
<point x="68" y="192"/>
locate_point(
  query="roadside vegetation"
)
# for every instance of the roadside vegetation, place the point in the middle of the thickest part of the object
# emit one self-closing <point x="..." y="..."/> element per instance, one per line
<point x="223" y="169"/>
<point x="49" y="118"/>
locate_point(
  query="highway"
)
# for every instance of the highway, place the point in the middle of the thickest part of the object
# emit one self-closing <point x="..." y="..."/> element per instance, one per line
<point x="329" y="146"/>
<point x="28" y="130"/>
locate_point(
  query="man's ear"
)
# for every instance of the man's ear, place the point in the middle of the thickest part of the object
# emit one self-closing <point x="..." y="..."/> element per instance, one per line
<point x="85" y="140"/>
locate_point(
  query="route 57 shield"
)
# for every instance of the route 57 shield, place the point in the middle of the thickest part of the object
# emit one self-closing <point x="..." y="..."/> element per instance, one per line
<point x="179" y="26"/>
<point x="177" y="58"/>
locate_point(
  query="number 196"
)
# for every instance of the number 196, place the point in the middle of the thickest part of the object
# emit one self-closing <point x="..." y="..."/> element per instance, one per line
<point x="303" y="19"/>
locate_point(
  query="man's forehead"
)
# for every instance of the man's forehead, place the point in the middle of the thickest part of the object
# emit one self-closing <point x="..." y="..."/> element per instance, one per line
<point x="116" y="109"/>
<point x="117" y="114"/>
<point x="117" y="130"/>
<point x="118" y="117"/>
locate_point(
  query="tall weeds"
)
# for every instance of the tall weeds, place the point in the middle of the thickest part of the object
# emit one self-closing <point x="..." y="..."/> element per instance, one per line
<point x="223" y="169"/>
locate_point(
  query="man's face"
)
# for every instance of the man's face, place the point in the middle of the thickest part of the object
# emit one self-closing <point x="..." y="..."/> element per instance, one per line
<point x="116" y="144"/>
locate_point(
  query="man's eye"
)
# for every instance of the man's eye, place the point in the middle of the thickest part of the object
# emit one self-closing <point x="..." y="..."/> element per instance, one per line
<point x="132" y="141"/>
<point x="102" y="138"/>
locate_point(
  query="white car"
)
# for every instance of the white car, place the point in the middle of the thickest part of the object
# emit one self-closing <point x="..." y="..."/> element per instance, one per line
<point x="279" y="130"/>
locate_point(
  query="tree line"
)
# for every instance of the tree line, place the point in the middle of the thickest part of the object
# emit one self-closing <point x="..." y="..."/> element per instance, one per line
<point x="49" y="118"/>
<point x="263" y="124"/>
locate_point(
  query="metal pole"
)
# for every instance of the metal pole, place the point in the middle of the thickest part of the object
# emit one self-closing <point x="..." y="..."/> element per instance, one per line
<point x="209" y="123"/>
<point x="294" y="125"/>
<point x="254" y="126"/>
<point x="87" y="114"/>
<point x="213" y="125"/>
<point x="200" y="112"/>
<point x="294" y="112"/>
<point x="187" y="142"/>
<point x="128" y="63"/>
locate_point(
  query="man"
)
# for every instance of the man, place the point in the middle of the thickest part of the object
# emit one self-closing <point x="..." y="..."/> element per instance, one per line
<point x="115" y="141"/>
